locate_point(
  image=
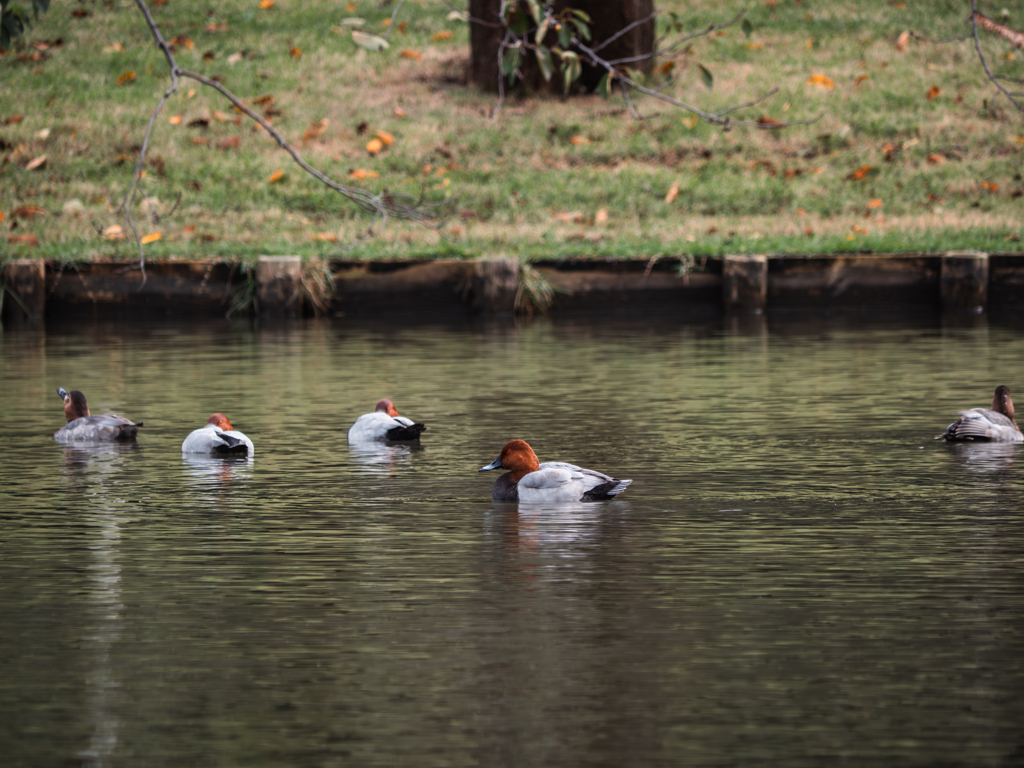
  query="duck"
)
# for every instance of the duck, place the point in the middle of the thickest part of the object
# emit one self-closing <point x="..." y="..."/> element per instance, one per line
<point x="218" y="438"/>
<point x="553" y="481"/>
<point x="995" y="425"/>
<point x="384" y="424"/>
<point x="82" y="427"/>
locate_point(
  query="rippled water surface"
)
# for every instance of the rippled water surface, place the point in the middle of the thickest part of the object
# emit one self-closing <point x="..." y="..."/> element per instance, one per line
<point x="798" y="576"/>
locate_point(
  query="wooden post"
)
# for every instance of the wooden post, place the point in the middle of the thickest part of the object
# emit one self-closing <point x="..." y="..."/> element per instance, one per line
<point x="278" y="284"/>
<point x="495" y="283"/>
<point x="964" y="281"/>
<point x="745" y="283"/>
<point x="26" y="280"/>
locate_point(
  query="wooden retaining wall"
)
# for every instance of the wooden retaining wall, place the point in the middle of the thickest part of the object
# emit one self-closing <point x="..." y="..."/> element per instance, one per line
<point x="279" y="286"/>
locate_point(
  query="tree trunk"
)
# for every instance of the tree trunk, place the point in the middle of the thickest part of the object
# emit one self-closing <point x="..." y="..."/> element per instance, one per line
<point x="607" y="17"/>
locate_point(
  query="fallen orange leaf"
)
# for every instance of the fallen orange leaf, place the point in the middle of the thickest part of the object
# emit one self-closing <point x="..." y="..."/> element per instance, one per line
<point x="580" y="140"/>
<point x="990" y="186"/>
<point x="673" y="192"/>
<point x="231" y="142"/>
<point x="183" y="41"/>
<point x="263" y="101"/>
<point x="601" y="217"/>
<point x="30" y="240"/>
<point x="573" y="217"/>
<point x="409" y="53"/>
<point x="265" y="4"/>
<point x="446" y="35"/>
<point x="373" y="146"/>
<point x="276" y="176"/>
<point x="933" y="92"/>
<point x="174" y="120"/>
<point x="223" y="118"/>
<point x="13" y="119"/>
<point x="860" y="79"/>
<point x="38" y="162"/>
<point x="350" y="6"/>
<point x="936" y="159"/>
<point x="821" y="81"/>
<point x="114" y="232"/>
<point x="296" y="53"/>
<point x="152" y="237"/>
<point x="857" y="228"/>
<point x="809" y="232"/>
<point x="666" y="67"/>
<point x="27" y="212"/>
<point x="2" y="216"/>
<point x="125" y="77"/>
<point x="399" y="112"/>
<point x="765" y="121"/>
<point x="315" y="130"/>
<point x="386" y="137"/>
<point x="362" y="173"/>
<point x="189" y="229"/>
<point x="876" y="203"/>
<point x="755" y="46"/>
<point x="861" y="173"/>
<point x="325" y="236"/>
<point x="401" y="27"/>
<point x="902" y="41"/>
<point x="199" y="140"/>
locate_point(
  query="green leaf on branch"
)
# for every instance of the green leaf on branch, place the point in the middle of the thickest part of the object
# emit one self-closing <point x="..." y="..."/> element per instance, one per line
<point x="564" y="35"/>
<point x="368" y="41"/>
<point x="603" y="86"/>
<point x="510" y="62"/>
<point x="582" y="15"/>
<point x="583" y="29"/>
<point x="707" y="77"/>
<point x="542" y="30"/>
<point x="547" y="67"/>
<point x="571" y="69"/>
<point x="535" y="11"/>
<point x="747" y="27"/>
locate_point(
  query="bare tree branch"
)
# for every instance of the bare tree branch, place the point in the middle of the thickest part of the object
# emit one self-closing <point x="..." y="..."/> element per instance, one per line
<point x="978" y="20"/>
<point x="382" y="205"/>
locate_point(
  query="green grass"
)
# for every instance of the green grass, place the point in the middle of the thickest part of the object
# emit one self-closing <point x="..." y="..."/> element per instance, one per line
<point x="524" y="186"/>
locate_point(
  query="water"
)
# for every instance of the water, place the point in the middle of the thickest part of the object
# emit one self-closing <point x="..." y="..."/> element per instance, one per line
<point x="798" y="576"/>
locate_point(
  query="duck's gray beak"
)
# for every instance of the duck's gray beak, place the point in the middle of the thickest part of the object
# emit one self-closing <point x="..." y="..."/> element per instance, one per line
<point x="496" y="464"/>
<point x="62" y="392"/>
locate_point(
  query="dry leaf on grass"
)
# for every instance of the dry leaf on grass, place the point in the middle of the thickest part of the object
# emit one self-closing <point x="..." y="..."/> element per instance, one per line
<point x="276" y="176"/>
<point x="27" y="212"/>
<point x="362" y="173"/>
<point x="399" y="112"/>
<point x="373" y="146"/>
<point x="385" y="137"/>
<point x="30" y="240"/>
<point x="876" y="203"/>
<point x="446" y="35"/>
<point x="263" y="101"/>
<point x="902" y="41"/>
<point x="37" y="162"/>
<point x="295" y="53"/>
<point x="572" y="217"/>
<point x="601" y="217"/>
<point x="577" y="140"/>
<point x="152" y="237"/>
<point x="933" y="92"/>
<point x="266" y="4"/>
<point x="821" y="81"/>
<point x="175" y="119"/>
<point x="409" y="53"/>
<point x="936" y="159"/>
<point x="862" y="173"/>
<point x="14" y="119"/>
<point x="125" y="78"/>
<point x="114" y="232"/>
<point x="990" y="186"/>
<point x="673" y="192"/>
<point x="315" y="130"/>
<point x="327" y="236"/>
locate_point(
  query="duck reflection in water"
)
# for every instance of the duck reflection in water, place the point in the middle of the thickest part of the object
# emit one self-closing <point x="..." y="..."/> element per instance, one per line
<point x="382" y="458"/>
<point x="222" y="469"/>
<point x="982" y="458"/>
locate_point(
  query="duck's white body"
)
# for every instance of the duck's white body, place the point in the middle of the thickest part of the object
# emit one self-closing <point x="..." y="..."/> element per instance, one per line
<point x="214" y="441"/>
<point x="983" y="424"/>
<point x="384" y="424"/>
<point x="558" y="481"/>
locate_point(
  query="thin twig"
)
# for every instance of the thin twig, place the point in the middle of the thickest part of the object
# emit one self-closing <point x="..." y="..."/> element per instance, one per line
<point x="393" y="15"/>
<point x="984" y="63"/>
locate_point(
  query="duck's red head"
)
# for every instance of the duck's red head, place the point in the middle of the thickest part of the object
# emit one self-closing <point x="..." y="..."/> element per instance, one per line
<point x="1001" y="402"/>
<point x="386" y="406"/>
<point x="518" y="457"/>
<point x="75" y="406"/>
<point x="220" y="421"/>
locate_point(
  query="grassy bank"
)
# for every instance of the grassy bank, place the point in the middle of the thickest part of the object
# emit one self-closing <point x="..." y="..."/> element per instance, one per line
<point x="548" y="177"/>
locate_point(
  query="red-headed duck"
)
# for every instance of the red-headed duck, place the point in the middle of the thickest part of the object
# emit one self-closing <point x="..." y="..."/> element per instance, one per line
<point x="983" y="425"/>
<point x="384" y="424"/>
<point x="218" y="438"/>
<point x="553" y="481"/>
<point x="82" y="427"/>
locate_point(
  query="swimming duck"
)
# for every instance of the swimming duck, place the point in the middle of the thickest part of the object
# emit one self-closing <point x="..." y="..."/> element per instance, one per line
<point x="995" y="426"/>
<point x="384" y="424"/>
<point x="553" y="481"/>
<point x="85" y="428"/>
<point x="218" y="438"/>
